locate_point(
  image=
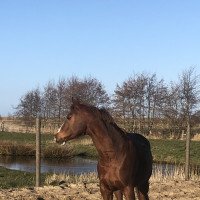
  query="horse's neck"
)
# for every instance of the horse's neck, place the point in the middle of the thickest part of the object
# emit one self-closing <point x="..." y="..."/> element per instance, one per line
<point x="107" y="140"/>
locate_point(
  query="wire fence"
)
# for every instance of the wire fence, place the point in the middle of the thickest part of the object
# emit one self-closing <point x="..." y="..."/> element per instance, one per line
<point x="51" y="126"/>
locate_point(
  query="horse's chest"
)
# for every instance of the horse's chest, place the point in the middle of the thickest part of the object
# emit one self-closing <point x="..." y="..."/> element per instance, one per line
<point x="109" y="174"/>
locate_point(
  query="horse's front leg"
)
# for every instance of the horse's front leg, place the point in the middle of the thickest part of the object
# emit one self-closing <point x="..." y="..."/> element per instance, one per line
<point x="118" y="194"/>
<point x="105" y="192"/>
<point x="129" y="193"/>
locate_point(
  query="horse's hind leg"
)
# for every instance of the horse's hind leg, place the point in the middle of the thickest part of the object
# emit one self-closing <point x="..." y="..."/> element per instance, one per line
<point x="142" y="191"/>
<point x="118" y="194"/>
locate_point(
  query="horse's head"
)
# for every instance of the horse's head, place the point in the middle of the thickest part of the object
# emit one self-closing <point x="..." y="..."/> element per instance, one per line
<point x="74" y="126"/>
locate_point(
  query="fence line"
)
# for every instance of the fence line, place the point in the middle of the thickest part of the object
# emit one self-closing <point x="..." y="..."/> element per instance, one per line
<point x="20" y="126"/>
<point x="38" y="152"/>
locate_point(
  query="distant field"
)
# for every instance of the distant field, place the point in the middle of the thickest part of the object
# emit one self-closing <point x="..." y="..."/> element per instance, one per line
<point x="173" y="151"/>
<point x="24" y="137"/>
<point x="170" y="151"/>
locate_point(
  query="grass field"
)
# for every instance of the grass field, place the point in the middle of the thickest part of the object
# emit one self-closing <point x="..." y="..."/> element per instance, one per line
<point x="13" y="178"/>
<point x="170" y="151"/>
<point x="173" y="151"/>
<point x="24" y="137"/>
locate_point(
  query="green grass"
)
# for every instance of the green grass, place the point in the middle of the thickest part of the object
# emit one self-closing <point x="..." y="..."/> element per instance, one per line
<point x="13" y="178"/>
<point x="173" y="151"/>
<point x="24" y="137"/>
<point x="88" y="151"/>
<point x="170" y="151"/>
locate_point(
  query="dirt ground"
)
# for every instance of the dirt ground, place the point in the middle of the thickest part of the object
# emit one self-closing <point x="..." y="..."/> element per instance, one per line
<point x="168" y="190"/>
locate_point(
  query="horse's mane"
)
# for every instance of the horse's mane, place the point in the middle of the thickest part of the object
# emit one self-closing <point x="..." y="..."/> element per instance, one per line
<point x="105" y="116"/>
<point x="108" y="120"/>
<point x="102" y="114"/>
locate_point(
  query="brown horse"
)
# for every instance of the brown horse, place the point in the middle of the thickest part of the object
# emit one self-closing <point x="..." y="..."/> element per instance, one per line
<point x="125" y="159"/>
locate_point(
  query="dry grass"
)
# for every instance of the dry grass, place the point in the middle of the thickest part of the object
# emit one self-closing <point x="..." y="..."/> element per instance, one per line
<point x="15" y="149"/>
<point x="82" y="141"/>
<point x="196" y="137"/>
<point x="175" y="173"/>
<point x="56" y="179"/>
<point x="159" y="175"/>
<point x="57" y="151"/>
<point x="86" y="186"/>
<point x="8" y="148"/>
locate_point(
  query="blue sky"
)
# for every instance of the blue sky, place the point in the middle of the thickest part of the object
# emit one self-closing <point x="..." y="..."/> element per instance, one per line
<point x="41" y="40"/>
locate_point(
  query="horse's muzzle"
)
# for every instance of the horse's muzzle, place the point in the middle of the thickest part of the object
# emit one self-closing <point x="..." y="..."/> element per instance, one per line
<point x="61" y="142"/>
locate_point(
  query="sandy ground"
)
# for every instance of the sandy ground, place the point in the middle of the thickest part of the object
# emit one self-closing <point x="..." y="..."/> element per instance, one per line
<point x="169" y="190"/>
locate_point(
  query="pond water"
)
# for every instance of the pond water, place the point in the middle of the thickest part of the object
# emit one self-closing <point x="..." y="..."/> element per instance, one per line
<point x="75" y="165"/>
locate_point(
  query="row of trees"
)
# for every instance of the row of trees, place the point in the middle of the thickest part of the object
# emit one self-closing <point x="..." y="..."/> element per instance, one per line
<point x="141" y="103"/>
<point x="145" y="103"/>
<point x="53" y="102"/>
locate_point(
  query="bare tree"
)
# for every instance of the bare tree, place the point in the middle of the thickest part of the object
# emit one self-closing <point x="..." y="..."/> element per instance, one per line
<point x="60" y="97"/>
<point x="95" y="93"/>
<point x="156" y="92"/>
<point x="30" y="105"/>
<point x="55" y="99"/>
<point x="189" y="91"/>
<point x="121" y="107"/>
<point x="88" y="90"/>
<point x="150" y="97"/>
<point x="141" y="98"/>
<point x="49" y="100"/>
<point x="172" y="109"/>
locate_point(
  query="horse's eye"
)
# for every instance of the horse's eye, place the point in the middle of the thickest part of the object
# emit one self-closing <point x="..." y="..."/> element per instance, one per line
<point x="69" y="117"/>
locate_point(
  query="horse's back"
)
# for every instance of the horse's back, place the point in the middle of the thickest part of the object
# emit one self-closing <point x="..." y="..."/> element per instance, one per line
<point x="139" y="139"/>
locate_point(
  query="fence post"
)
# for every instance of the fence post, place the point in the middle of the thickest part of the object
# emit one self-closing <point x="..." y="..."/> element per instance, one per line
<point x="2" y="126"/>
<point x="187" y="153"/>
<point x="38" y="151"/>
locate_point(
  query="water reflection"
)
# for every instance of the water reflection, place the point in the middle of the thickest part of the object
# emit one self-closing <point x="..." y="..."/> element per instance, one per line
<point x="74" y="165"/>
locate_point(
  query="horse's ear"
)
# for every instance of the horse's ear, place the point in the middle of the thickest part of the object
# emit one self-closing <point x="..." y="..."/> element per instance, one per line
<point x="75" y="102"/>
